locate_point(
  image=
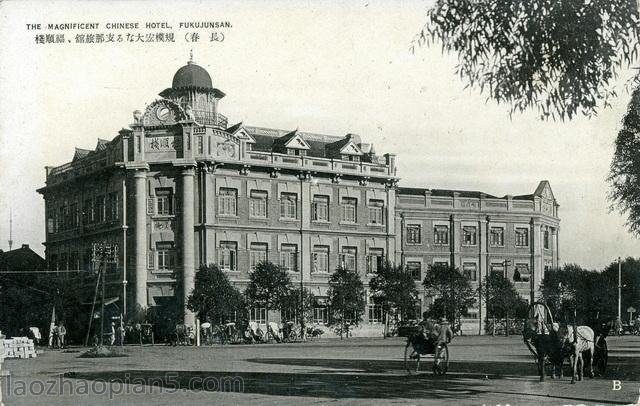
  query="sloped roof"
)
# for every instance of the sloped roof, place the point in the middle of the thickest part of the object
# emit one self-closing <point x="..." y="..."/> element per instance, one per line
<point x="234" y="128"/>
<point x="21" y="259"/>
<point x="337" y="147"/>
<point x="102" y="144"/>
<point x="285" y="141"/>
<point x="543" y="190"/>
<point x="81" y="153"/>
<point x="265" y="138"/>
<point x="443" y="192"/>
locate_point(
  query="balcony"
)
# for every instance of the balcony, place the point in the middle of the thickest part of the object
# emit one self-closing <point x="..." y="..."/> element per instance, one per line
<point x="75" y="169"/>
<point x="210" y="118"/>
<point x="318" y="164"/>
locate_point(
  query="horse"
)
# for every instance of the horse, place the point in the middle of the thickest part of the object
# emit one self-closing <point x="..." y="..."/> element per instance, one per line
<point x="541" y="337"/>
<point x="574" y="342"/>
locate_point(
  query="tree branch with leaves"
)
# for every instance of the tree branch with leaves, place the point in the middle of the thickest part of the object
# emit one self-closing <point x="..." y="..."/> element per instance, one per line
<point x="555" y="57"/>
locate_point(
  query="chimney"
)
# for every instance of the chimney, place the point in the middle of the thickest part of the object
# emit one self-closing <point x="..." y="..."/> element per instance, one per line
<point x="25" y="246"/>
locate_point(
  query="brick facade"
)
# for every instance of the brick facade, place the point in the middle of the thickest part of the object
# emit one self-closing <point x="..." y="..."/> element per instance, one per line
<point x="183" y="188"/>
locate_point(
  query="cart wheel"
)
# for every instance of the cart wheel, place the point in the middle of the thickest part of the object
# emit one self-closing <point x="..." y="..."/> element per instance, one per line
<point x="411" y="359"/>
<point x="601" y="356"/>
<point x="441" y="360"/>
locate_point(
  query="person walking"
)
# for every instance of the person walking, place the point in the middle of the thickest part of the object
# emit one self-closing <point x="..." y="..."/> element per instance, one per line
<point x="53" y="336"/>
<point x="62" y="333"/>
<point x="121" y="333"/>
<point x="112" y="335"/>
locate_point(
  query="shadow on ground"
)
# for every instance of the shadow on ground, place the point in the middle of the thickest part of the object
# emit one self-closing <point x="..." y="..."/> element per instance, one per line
<point x="339" y="378"/>
<point x="619" y="368"/>
<point x="319" y="385"/>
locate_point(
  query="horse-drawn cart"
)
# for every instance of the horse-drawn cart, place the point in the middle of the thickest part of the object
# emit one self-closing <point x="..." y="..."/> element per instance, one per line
<point x="540" y="335"/>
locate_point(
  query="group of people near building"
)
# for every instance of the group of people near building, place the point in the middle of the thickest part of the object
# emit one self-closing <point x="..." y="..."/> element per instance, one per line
<point x="58" y="336"/>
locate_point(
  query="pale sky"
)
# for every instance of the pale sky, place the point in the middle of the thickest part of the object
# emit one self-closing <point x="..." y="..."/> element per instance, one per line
<point x="330" y="67"/>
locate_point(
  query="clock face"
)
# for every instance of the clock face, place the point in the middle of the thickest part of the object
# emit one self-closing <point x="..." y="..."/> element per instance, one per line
<point x="162" y="113"/>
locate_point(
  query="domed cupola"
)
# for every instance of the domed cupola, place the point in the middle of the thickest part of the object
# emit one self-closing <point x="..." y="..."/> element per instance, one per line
<point x="191" y="76"/>
<point x="192" y="88"/>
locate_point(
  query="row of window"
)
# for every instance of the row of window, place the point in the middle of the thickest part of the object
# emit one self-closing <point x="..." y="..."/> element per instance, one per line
<point x="95" y="210"/>
<point x="470" y="235"/>
<point x="287" y="257"/>
<point x="74" y="261"/>
<point x="470" y="270"/>
<point x="320" y="209"/>
<point x="164" y="204"/>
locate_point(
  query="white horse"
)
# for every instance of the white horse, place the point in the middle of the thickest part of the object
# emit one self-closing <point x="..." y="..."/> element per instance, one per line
<point x="575" y="341"/>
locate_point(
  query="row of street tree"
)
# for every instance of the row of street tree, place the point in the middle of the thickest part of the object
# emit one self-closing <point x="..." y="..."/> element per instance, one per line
<point x="393" y="289"/>
<point x="27" y="300"/>
<point x="591" y="294"/>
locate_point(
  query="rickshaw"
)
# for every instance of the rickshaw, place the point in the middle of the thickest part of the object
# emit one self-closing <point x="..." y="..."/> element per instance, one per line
<point x="419" y="348"/>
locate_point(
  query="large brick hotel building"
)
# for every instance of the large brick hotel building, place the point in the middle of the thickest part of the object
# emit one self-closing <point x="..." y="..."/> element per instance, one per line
<point x="180" y="187"/>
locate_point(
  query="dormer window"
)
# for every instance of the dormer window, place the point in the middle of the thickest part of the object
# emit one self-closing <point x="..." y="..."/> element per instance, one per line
<point x="352" y="158"/>
<point x="296" y="152"/>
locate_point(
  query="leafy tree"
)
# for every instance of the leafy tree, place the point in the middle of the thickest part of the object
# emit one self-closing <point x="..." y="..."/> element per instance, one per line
<point x="630" y="278"/>
<point x="591" y="295"/>
<point x="26" y="300"/>
<point x="345" y="300"/>
<point x="269" y="286"/>
<point x="557" y="57"/>
<point x="395" y="290"/>
<point x="214" y="298"/>
<point x="164" y="317"/>
<point x="624" y="174"/>
<point x="137" y="315"/>
<point x="453" y="290"/>
<point x="291" y="304"/>
<point x="502" y="299"/>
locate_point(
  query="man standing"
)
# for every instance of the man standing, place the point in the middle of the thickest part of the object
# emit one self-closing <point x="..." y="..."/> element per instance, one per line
<point x="53" y="336"/>
<point x="112" y="335"/>
<point x="62" y="332"/>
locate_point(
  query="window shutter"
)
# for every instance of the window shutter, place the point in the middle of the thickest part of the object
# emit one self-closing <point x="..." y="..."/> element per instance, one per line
<point x="232" y="260"/>
<point x="150" y="259"/>
<point x="151" y="206"/>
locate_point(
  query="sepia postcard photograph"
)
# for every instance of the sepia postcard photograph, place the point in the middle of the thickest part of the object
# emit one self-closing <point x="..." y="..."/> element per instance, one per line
<point x="421" y="202"/>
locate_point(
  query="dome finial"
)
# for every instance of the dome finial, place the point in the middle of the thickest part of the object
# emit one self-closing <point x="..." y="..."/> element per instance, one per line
<point x="190" y="57"/>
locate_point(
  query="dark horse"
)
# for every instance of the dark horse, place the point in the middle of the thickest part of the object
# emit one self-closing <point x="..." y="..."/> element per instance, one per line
<point x="540" y="335"/>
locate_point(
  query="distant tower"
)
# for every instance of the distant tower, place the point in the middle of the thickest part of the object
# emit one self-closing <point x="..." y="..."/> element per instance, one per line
<point x="10" y="228"/>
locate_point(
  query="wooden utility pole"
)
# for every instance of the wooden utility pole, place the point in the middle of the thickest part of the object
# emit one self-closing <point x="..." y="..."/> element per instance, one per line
<point x="102" y="254"/>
